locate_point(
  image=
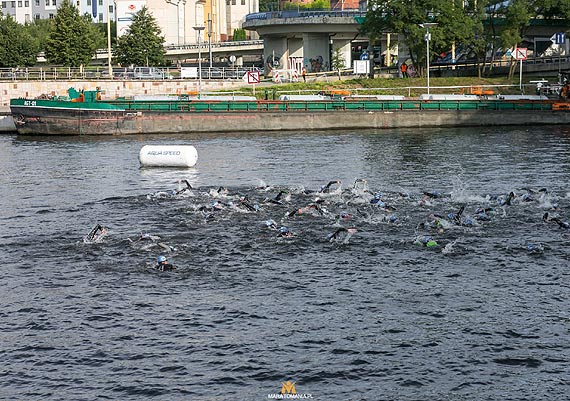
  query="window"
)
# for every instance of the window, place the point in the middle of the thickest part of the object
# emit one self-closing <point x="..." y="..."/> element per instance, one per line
<point x="100" y="2"/>
<point x="3" y="4"/>
<point x="100" y="17"/>
<point x="88" y="2"/>
<point x="37" y="17"/>
<point x="51" y="16"/>
<point x="111" y="9"/>
<point x="13" y="4"/>
<point x="243" y="2"/>
<point x="53" y="3"/>
<point x="47" y="3"/>
<point x="20" y="4"/>
<point x="233" y="2"/>
<point x="27" y="18"/>
<point x="27" y="3"/>
<point x="37" y="3"/>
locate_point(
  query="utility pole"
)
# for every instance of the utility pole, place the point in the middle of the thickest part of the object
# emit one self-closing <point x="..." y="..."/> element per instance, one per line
<point x="210" y="40"/>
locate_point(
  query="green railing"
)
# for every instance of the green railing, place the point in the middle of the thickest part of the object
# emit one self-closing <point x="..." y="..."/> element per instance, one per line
<point x="325" y="106"/>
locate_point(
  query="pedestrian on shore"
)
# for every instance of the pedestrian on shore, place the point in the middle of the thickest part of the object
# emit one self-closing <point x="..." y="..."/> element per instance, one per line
<point x="304" y="74"/>
<point x="404" y="70"/>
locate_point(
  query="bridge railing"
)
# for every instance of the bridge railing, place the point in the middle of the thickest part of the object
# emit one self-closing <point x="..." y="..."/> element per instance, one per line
<point x="123" y="73"/>
<point x="303" y="14"/>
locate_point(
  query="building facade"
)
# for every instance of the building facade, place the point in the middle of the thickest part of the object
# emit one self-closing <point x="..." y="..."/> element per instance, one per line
<point x="176" y="18"/>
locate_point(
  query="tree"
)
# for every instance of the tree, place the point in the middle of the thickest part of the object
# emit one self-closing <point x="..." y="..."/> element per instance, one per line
<point x="337" y="61"/>
<point x="17" y="47"/>
<point x="239" y="34"/>
<point x="458" y="23"/>
<point x="73" y="38"/>
<point x="143" y="43"/>
<point x="40" y="29"/>
<point x="102" y="28"/>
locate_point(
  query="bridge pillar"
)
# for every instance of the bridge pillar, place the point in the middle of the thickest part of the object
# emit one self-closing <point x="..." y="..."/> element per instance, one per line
<point x="274" y="52"/>
<point x="345" y="51"/>
<point x="316" y="52"/>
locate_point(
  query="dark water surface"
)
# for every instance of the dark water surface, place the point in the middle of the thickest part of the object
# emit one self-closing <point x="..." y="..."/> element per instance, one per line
<point x="482" y="316"/>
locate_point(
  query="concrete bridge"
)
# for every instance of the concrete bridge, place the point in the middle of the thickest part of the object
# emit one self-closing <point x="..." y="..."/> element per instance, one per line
<point x="294" y="39"/>
<point x="221" y="51"/>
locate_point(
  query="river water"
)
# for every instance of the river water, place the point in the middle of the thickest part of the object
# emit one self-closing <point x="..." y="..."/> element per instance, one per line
<point x="484" y="315"/>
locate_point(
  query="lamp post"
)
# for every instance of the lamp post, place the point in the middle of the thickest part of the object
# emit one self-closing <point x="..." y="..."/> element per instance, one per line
<point x="199" y="29"/>
<point x="109" y="40"/>
<point x="427" y="26"/>
<point x="210" y="41"/>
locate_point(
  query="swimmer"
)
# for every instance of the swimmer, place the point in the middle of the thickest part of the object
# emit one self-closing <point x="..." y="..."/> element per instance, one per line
<point x="149" y="241"/>
<point x="527" y="197"/>
<point x="359" y="188"/>
<point x="188" y="188"/>
<point x="482" y="214"/>
<point x="313" y="209"/>
<point x="376" y="200"/>
<point x="456" y="217"/>
<point x="285" y="232"/>
<point x="433" y="194"/>
<point x="426" y="240"/>
<point x="341" y="235"/>
<point x="327" y="188"/>
<point x="162" y="264"/>
<point x="277" y="199"/>
<point x="244" y="201"/>
<point x="535" y="248"/>
<point x="562" y="224"/>
<point x="271" y="224"/>
<point x="360" y="183"/>
<point x="96" y="235"/>
<point x="344" y="215"/>
<point x="506" y="201"/>
<point x="221" y="191"/>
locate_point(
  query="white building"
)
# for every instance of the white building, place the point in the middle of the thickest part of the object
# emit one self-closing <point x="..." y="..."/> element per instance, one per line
<point x="24" y="11"/>
<point x="20" y="10"/>
<point x="176" y="18"/>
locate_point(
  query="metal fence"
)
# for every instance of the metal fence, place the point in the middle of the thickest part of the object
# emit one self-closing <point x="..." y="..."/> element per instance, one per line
<point x="102" y="72"/>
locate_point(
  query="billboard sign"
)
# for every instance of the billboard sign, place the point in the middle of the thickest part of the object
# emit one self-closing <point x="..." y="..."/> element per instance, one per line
<point x="125" y="11"/>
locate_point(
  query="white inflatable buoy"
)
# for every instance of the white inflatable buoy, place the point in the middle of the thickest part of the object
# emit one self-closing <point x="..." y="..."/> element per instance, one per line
<point x="168" y="156"/>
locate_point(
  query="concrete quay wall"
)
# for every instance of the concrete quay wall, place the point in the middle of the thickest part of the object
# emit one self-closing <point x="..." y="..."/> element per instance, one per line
<point x="111" y="89"/>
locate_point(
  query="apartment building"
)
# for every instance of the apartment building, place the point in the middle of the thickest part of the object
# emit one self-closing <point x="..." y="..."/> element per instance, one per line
<point x="177" y="19"/>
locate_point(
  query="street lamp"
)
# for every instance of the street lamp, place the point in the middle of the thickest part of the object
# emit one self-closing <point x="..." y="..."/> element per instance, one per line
<point x="198" y="30"/>
<point x="427" y="26"/>
<point x="210" y="40"/>
<point x="109" y="65"/>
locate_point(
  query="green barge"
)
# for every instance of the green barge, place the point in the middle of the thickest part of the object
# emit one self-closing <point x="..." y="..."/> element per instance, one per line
<point x="86" y="113"/>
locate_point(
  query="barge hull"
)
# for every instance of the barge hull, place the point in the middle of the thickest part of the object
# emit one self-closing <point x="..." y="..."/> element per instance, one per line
<point x="123" y="123"/>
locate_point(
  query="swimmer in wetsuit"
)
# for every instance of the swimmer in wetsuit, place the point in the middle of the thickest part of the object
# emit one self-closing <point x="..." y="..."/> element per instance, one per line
<point x="456" y="217"/>
<point x="162" y="264"/>
<point x="562" y="224"/>
<point x="327" y="188"/>
<point x="285" y="232"/>
<point x="278" y="199"/>
<point x="185" y="189"/>
<point x="502" y="201"/>
<point x="341" y="235"/>
<point x="95" y="235"/>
